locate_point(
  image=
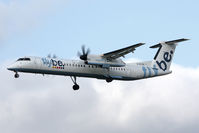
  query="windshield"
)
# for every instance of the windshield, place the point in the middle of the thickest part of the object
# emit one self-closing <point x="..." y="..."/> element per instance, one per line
<point x="23" y="59"/>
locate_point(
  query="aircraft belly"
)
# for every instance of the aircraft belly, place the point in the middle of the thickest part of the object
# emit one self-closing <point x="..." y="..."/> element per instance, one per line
<point x="87" y="72"/>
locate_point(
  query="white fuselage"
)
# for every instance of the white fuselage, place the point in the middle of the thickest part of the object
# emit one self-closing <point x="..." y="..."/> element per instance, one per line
<point x="132" y="71"/>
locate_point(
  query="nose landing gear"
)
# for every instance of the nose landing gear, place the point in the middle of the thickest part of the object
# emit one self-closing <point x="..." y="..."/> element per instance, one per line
<point x="75" y="86"/>
<point x="16" y="75"/>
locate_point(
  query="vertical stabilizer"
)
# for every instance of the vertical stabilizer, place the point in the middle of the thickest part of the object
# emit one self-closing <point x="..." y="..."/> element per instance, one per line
<point x="165" y="53"/>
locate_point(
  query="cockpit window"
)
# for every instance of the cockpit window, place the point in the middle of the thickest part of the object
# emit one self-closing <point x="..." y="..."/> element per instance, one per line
<point x="23" y="59"/>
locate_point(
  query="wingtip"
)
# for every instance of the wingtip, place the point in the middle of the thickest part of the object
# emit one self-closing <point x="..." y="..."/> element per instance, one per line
<point x="141" y="43"/>
<point x="186" y="39"/>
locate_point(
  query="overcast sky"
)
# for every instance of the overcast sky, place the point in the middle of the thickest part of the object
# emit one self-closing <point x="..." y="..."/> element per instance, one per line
<point x="38" y="104"/>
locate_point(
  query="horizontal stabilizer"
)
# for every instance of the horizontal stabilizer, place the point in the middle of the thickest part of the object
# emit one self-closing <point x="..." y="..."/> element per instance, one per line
<point x="169" y="42"/>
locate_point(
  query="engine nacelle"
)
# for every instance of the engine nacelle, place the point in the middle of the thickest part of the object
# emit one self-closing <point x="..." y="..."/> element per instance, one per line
<point x="100" y="61"/>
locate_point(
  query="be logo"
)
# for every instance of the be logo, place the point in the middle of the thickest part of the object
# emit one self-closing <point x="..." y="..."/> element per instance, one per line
<point x="57" y="64"/>
<point x="167" y="56"/>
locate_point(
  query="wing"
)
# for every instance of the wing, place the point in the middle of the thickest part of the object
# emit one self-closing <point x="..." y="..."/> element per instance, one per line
<point x="121" y="52"/>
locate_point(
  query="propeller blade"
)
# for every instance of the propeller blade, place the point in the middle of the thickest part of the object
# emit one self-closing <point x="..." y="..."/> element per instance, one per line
<point x="84" y="54"/>
<point x="83" y="49"/>
<point x="88" y="51"/>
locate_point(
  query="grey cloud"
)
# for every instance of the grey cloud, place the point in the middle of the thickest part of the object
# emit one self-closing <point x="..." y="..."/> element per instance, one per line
<point x="34" y="103"/>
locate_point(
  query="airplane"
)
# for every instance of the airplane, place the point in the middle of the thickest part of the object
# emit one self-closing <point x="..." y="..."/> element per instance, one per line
<point x="108" y="66"/>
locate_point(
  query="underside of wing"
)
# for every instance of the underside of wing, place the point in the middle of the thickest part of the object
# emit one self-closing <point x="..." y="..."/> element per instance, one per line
<point x="121" y="52"/>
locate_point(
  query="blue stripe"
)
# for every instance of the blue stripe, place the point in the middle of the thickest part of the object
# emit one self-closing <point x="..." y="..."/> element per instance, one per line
<point x="149" y="69"/>
<point x="144" y="70"/>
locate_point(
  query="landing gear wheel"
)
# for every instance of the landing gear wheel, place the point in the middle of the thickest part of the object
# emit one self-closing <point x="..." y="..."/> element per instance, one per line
<point x="16" y="75"/>
<point x="75" y="87"/>
<point x="108" y="80"/>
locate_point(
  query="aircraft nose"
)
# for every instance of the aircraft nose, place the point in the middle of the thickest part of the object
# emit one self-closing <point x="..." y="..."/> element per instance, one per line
<point x="12" y="67"/>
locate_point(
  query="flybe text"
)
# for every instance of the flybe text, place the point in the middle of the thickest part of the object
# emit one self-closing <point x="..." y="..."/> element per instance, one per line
<point x="52" y="63"/>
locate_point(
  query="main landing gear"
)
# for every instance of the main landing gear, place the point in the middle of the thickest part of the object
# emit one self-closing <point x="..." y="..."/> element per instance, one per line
<point x="108" y="80"/>
<point x="75" y="86"/>
<point x="16" y="75"/>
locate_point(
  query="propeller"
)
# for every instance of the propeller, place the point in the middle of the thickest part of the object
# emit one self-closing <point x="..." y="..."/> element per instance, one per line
<point x="54" y="56"/>
<point x="84" y="54"/>
<point x="50" y="56"/>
